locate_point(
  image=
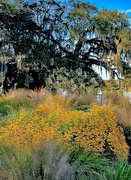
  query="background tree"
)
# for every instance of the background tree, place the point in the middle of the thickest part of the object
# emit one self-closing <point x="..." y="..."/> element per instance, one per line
<point x="114" y="29"/>
<point x="45" y="36"/>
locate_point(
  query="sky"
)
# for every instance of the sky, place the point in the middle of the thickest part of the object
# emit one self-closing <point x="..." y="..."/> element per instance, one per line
<point x="120" y="5"/>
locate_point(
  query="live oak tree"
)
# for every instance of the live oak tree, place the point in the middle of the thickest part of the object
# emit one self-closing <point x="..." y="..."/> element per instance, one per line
<point x="45" y="36"/>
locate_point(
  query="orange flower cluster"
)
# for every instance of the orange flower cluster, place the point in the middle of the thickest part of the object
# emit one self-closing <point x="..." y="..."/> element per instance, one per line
<point x="96" y="130"/>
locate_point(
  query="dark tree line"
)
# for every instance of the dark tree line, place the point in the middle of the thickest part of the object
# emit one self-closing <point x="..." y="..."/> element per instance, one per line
<point x="46" y="42"/>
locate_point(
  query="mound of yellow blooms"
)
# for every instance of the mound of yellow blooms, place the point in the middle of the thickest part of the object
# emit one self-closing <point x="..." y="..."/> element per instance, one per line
<point x="96" y="130"/>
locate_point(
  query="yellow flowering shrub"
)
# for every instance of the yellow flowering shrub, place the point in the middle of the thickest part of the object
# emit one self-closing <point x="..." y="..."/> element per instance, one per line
<point x="96" y="130"/>
<point x="99" y="132"/>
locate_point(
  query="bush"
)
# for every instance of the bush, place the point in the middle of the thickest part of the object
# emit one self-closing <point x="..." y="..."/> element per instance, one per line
<point x="122" y="108"/>
<point x="96" y="131"/>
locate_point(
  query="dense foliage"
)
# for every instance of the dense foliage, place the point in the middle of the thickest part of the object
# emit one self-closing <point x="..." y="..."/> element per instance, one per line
<point x="40" y="37"/>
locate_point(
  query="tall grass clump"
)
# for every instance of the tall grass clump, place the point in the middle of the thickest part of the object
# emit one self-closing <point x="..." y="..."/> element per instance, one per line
<point x="14" y="100"/>
<point x="43" y="162"/>
<point x="122" y="171"/>
<point x="91" y="166"/>
<point x="47" y="162"/>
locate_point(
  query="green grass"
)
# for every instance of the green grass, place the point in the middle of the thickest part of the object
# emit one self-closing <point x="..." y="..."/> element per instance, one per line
<point x="91" y="166"/>
<point x="8" y="105"/>
<point x="47" y="162"/>
<point x="123" y="171"/>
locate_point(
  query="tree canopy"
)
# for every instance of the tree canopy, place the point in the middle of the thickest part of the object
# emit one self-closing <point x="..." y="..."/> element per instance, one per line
<point x="46" y="42"/>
